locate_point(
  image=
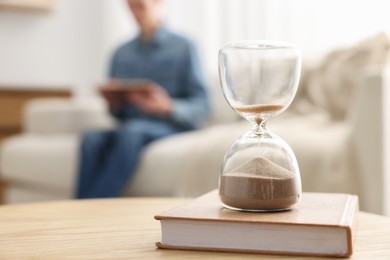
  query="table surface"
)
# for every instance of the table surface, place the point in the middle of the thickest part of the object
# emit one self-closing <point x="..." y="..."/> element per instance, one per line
<point x="126" y="229"/>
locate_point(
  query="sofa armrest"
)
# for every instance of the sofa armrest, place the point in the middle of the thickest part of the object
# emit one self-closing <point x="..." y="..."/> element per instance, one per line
<point x="65" y="115"/>
<point x="368" y="140"/>
<point x="386" y="137"/>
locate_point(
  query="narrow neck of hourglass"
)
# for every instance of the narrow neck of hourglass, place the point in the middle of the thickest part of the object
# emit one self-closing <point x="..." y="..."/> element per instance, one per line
<point x="259" y="128"/>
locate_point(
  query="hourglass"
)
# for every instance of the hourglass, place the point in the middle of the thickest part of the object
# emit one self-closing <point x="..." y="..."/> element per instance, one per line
<point x="259" y="80"/>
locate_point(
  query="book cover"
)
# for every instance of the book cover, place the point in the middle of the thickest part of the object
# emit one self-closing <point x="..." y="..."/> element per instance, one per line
<point x="322" y="224"/>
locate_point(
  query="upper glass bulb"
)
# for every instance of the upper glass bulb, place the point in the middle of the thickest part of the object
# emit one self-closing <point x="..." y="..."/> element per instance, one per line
<point x="259" y="78"/>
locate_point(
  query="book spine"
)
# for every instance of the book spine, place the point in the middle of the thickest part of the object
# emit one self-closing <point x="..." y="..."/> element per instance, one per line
<point x="349" y="219"/>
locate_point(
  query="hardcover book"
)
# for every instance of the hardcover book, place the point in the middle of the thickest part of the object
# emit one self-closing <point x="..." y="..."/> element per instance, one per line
<point x="322" y="224"/>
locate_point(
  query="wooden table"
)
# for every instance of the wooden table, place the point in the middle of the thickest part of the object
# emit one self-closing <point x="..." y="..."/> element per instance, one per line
<point x="126" y="229"/>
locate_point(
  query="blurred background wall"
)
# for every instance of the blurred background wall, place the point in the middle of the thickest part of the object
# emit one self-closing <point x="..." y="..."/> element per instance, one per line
<point x="72" y="44"/>
<point x="57" y="48"/>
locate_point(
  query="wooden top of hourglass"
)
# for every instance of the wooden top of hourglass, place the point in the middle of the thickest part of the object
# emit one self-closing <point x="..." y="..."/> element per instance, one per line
<point x="258" y="110"/>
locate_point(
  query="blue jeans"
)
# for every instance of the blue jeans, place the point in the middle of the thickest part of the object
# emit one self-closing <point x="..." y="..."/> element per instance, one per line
<point x="109" y="158"/>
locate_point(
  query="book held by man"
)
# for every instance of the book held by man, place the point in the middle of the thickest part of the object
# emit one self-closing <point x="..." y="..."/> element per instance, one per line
<point x="121" y="92"/>
<point x="322" y="224"/>
<point x="129" y="86"/>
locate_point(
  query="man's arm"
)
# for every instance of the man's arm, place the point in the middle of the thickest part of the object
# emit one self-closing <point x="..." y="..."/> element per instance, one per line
<point x="121" y="110"/>
<point x="193" y="109"/>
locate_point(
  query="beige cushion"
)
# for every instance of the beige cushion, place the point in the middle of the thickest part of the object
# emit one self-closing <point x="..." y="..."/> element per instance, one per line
<point x="42" y="160"/>
<point x="331" y="84"/>
<point x="194" y="162"/>
<point x="65" y="116"/>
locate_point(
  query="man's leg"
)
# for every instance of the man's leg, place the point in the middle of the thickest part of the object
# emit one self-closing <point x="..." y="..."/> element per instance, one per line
<point x="129" y="141"/>
<point x="94" y="150"/>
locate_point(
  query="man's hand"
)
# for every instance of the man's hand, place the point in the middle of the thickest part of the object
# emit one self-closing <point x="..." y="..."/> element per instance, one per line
<point x="113" y="92"/>
<point x="152" y="100"/>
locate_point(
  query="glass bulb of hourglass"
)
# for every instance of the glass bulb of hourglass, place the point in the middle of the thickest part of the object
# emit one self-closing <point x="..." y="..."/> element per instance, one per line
<point x="259" y="81"/>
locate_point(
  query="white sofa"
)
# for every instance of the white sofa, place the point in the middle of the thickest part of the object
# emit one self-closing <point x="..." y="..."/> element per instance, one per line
<point x="334" y="155"/>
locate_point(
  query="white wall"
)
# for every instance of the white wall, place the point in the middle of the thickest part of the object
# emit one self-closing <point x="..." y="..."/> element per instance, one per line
<point x="318" y="26"/>
<point x="315" y="26"/>
<point x="118" y="26"/>
<point x="56" y="49"/>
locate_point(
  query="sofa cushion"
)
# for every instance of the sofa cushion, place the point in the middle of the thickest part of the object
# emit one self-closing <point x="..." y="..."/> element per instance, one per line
<point x="65" y="115"/>
<point x="25" y="193"/>
<point x="331" y="84"/>
<point x="195" y="159"/>
<point x="187" y="164"/>
<point x="323" y="150"/>
<point x="41" y="160"/>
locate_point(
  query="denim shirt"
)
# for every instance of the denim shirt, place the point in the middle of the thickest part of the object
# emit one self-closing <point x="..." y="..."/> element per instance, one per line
<point x="171" y="61"/>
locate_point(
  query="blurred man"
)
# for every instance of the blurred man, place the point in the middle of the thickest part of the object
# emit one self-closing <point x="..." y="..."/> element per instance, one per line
<point x="157" y="89"/>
